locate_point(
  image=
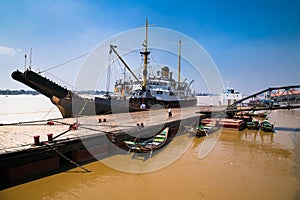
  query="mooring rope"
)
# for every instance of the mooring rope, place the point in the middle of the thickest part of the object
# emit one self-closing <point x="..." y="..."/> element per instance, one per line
<point x="31" y="123"/>
<point x="68" y="159"/>
<point x="61" y="134"/>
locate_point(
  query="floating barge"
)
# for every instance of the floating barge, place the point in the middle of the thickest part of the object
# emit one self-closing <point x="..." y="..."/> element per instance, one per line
<point x="32" y="150"/>
<point x="233" y="124"/>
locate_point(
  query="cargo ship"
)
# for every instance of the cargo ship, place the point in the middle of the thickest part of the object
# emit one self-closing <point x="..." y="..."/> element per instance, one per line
<point x="140" y="94"/>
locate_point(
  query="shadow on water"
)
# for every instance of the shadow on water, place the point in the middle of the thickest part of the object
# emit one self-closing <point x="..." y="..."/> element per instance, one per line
<point x="290" y="129"/>
<point x="77" y="172"/>
<point x="141" y="156"/>
<point x="144" y="156"/>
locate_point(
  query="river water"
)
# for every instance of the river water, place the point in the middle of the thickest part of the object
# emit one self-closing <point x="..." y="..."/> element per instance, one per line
<point x="244" y="165"/>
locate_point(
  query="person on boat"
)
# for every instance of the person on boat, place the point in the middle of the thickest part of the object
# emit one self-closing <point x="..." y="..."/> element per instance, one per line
<point x="170" y="112"/>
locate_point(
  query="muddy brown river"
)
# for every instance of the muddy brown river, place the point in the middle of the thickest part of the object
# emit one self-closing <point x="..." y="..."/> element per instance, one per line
<point x="244" y="165"/>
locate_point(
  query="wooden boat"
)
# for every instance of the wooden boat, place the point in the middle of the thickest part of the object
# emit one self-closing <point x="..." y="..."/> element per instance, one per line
<point x="235" y="124"/>
<point x="203" y="130"/>
<point x="254" y="125"/>
<point x="267" y="126"/>
<point x="150" y="144"/>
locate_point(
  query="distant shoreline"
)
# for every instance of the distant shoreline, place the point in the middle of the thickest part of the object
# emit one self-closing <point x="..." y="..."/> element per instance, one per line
<point x="33" y="92"/>
<point x="18" y="92"/>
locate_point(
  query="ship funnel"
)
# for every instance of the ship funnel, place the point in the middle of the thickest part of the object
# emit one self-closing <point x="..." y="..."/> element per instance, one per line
<point x="165" y="72"/>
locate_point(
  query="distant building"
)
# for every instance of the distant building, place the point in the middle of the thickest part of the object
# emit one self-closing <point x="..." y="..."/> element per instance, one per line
<point x="229" y="96"/>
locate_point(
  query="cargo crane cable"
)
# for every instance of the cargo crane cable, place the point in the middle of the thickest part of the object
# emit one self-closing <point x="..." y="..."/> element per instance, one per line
<point x="68" y="61"/>
<point x="150" y="66"/>
<point x="110" y="62"/>
<point x="66" y="83"/>
<point x="112" y="65"/>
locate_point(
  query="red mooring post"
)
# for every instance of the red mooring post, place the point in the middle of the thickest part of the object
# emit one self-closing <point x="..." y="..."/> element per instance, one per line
<point x="36" y="139"/>
<point x="50" y="137"/>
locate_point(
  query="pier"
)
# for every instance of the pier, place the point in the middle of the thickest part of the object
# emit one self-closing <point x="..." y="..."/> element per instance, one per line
<point x="33" y="149"/>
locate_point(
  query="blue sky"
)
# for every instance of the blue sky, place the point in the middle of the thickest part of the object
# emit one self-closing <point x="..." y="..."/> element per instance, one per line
<point x="255" y="44"/>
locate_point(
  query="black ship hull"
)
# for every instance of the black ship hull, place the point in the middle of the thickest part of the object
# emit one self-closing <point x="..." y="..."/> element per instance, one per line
<point x="72" y="105"/>
<point x="68" y="103"/>
<point x="110" y="105"/>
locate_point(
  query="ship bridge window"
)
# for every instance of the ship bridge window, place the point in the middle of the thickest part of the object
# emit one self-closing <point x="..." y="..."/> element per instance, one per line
<point x="172" y="94"/>
<point x="159" y="92"/>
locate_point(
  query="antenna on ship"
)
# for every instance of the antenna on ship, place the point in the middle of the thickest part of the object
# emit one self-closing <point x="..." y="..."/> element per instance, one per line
<point x="227" y="84"/>
<point x="25" y="64"/>
<point x="179" y="59"/>
<point x="145" y="53"/>
<point x="30" y="58"/>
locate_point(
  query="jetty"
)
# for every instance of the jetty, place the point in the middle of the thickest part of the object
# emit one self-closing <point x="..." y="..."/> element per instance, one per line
<point x="33" y="149"/>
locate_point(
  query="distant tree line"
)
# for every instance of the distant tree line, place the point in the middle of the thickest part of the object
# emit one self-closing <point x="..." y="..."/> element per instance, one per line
<point x="93" y="92"/>
<point x="33" y="92"/>
<point x="17" y="92"/>
<point x="206" y="94"/>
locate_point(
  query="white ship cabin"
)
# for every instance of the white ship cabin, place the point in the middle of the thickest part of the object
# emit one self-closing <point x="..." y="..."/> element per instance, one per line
<point x="230" y="96"/>
<point x="164" y="87"/>
<point x="121" y="88"/>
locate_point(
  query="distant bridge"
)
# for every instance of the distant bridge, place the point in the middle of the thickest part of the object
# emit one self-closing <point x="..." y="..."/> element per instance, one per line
<point x="273" y="98"/>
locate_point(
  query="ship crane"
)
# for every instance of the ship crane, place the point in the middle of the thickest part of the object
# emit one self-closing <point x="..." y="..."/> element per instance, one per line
<point x="112" y="49"/>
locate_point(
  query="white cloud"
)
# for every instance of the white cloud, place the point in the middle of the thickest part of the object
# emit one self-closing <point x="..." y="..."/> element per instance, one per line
<point x="8" y="51"/>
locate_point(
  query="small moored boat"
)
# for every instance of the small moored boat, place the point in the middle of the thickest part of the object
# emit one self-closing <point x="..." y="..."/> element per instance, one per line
<point x="203" y="130"/>
<point x="150" y="144"/>
<point x="254" y="125"/>
<point x="267" y="126"/>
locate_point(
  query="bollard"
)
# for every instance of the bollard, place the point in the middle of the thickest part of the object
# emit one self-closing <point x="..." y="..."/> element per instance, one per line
<point x="100" y="120"/>
<point x="104" y="120"/>
<point x="50" y="123"/>
<point x="36" y="139"/>
<point x="50" y="137"/>
<point x="75" y="126"/>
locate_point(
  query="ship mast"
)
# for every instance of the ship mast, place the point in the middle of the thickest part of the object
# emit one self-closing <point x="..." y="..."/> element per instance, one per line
<point x="179" y="58"/>
<point x="145" y="53"/>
